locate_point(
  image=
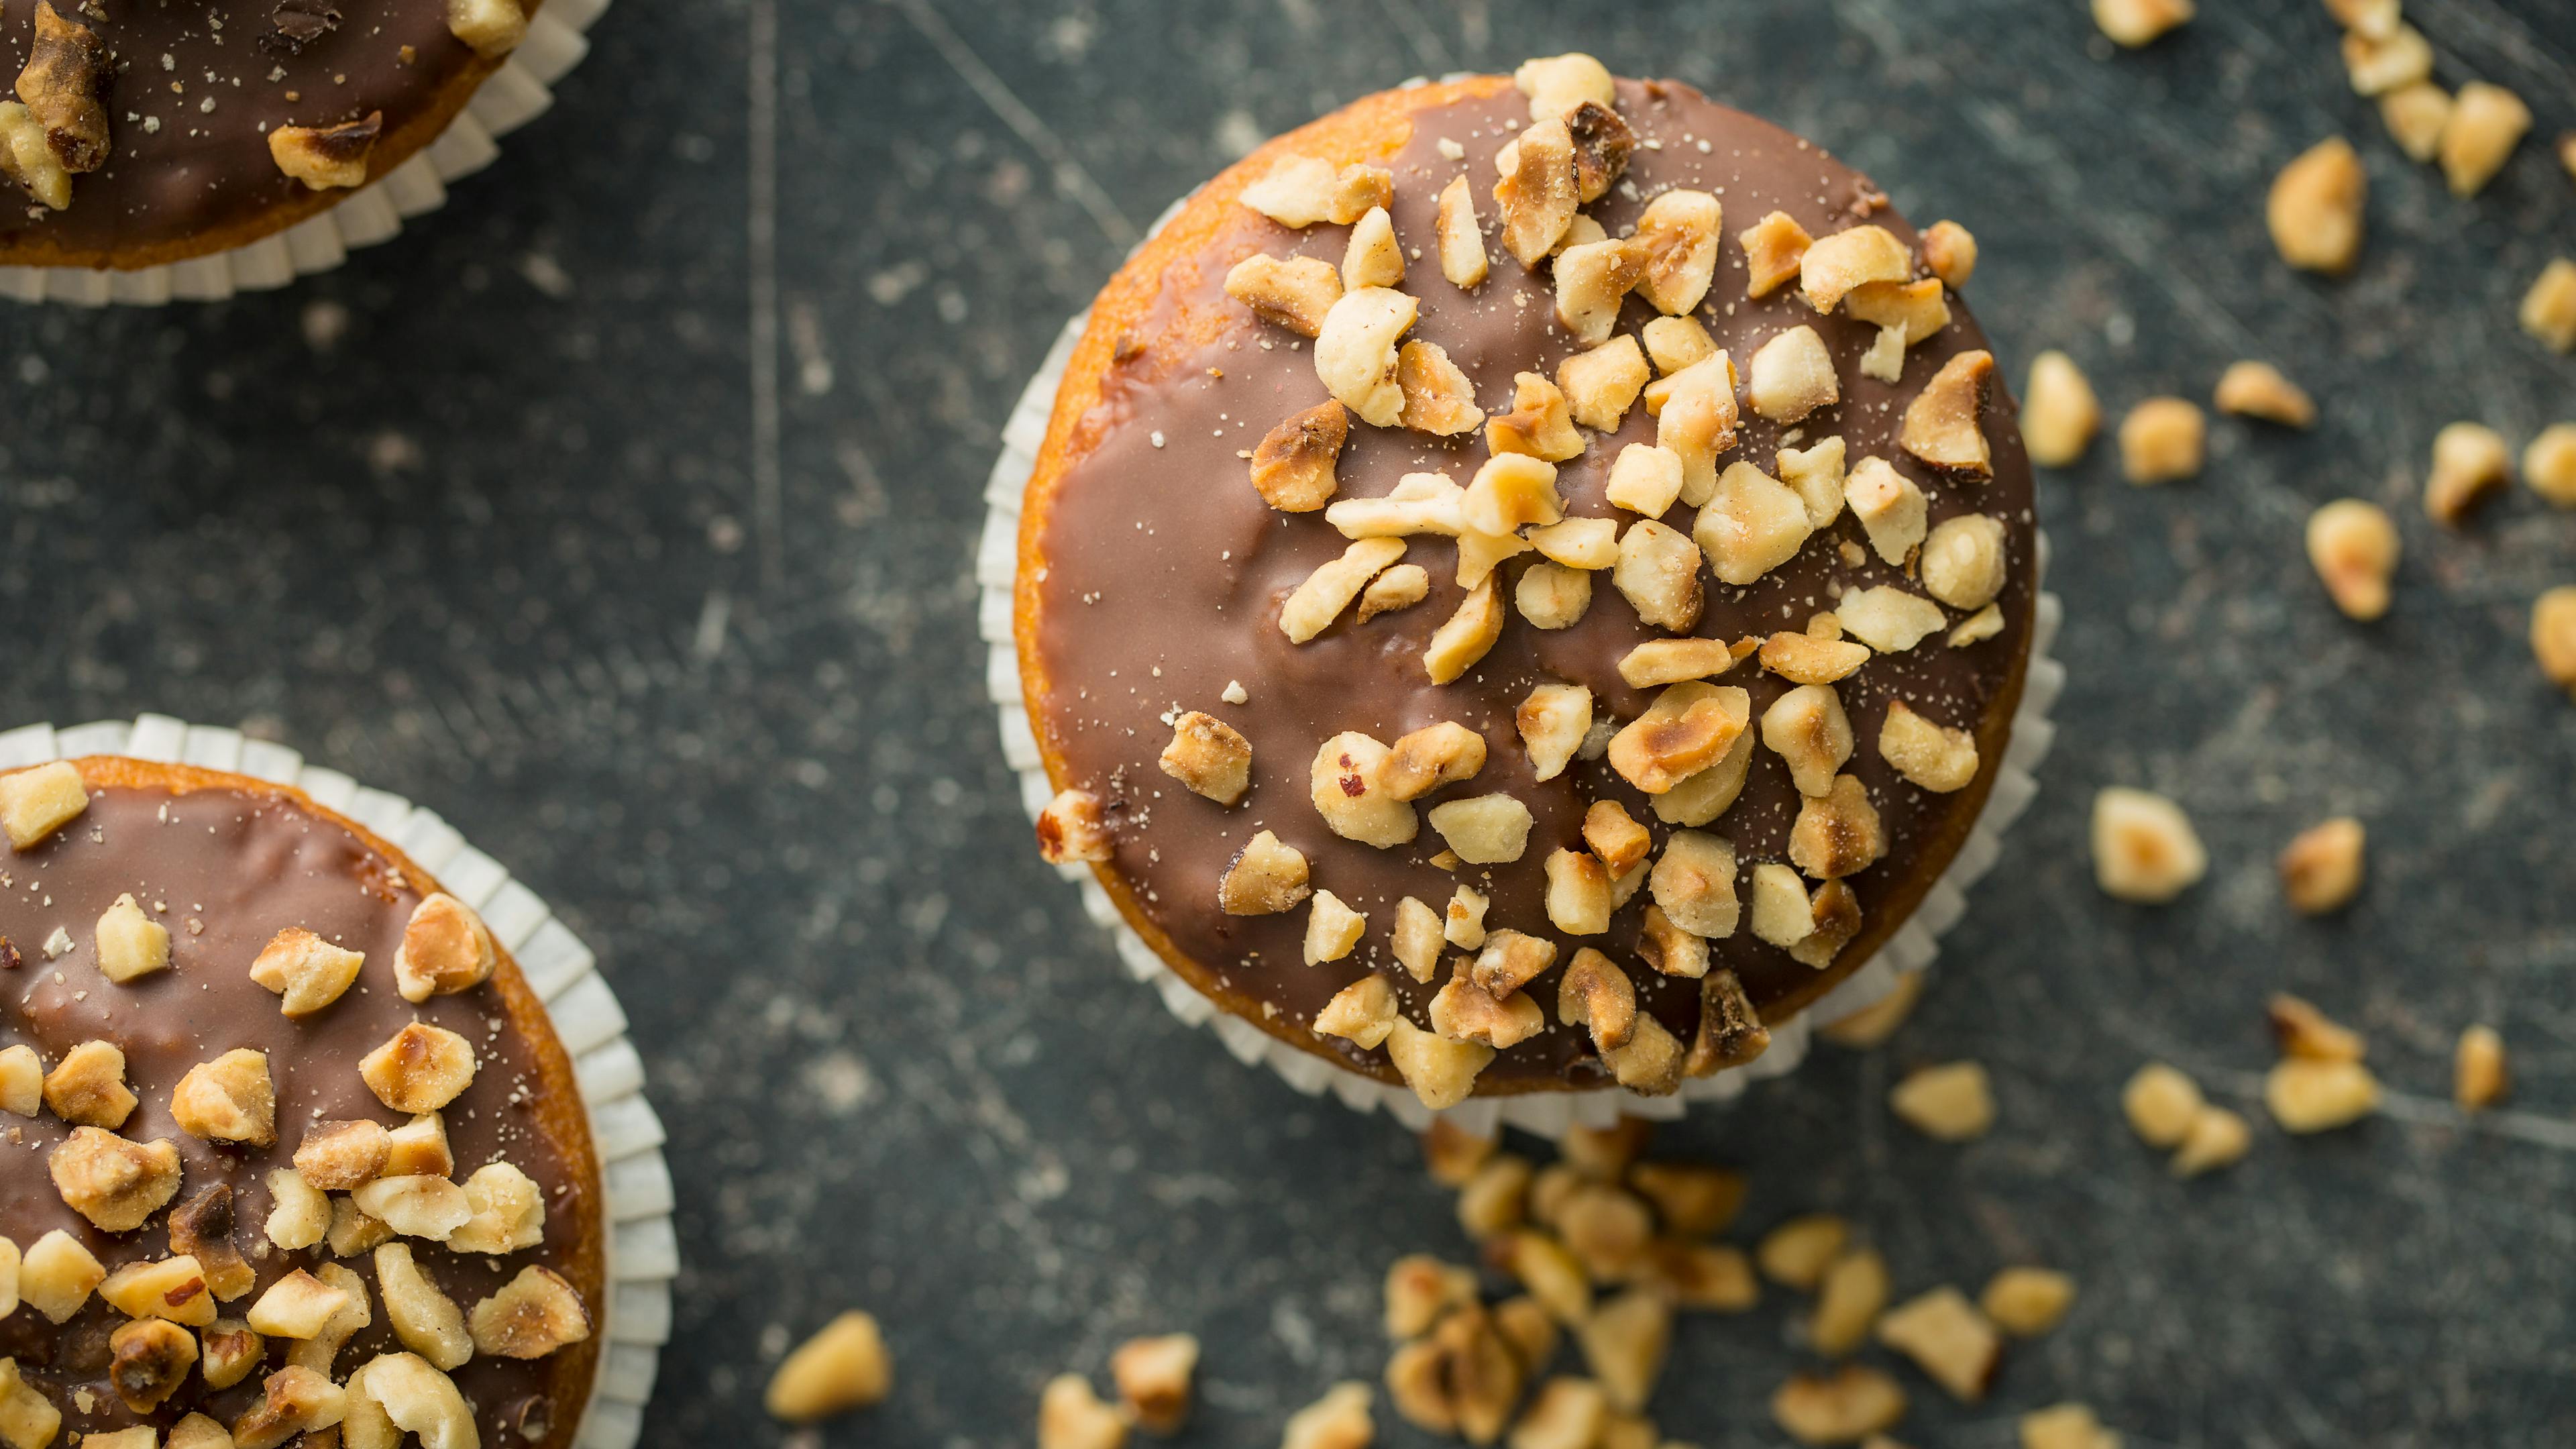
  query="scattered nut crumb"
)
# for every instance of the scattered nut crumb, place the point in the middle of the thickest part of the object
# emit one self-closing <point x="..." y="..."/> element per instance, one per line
<point x="2310" y="1095"/>
<point x="2059" y="414"/>
<point x="2144" y="848"/>
<point x="2478" y="1075"/>
<point x="2354" y="547"/>
<point x="2486" y="123"/>
<point x="2553" y="636"/>
<point x="2470" y="464"/>
<point x="2259" y="390"/>
<point x="2218" y="1137"/>
<point x="2315" y="208"/>
<point x="842" y="1367"/>
<point x="2027" y="1302"/>
<point x="2065" y="1426"/>
<point x="2321" y="867"/>
<point x="2134" y="23"/>
<point x="2161" y="440"/>
<point x="2160" y="1101"/>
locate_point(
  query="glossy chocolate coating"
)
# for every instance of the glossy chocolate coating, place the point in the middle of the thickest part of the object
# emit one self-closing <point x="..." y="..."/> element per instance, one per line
<point x="1165" y="573"/>
<point x="233" y="868"/>
<point x="177" y="170"/>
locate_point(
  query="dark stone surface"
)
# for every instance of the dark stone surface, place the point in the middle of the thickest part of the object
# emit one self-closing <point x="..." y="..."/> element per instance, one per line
<point x="514" y="542"/>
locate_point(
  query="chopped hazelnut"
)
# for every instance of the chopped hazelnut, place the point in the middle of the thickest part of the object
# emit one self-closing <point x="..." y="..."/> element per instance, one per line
<point x="489" y="27"/>
<point x="445" y="949"/>
<point x="2134" y="23"/>
<point x="1565" y="1413"/>
<point x="1949" y="1103"/>
<point x="1430" y="757"/>
<point x="293" y="1400"/>
<point x="1948" y="1339"/>
<point x="1496" y="1199"/>
<point x="1592" y="279"/>
<point x="2160" y="1102"/>
<point x="2216" y="1138"/>
<point x="1313" y="605"/>
<point x="2309" y="1095"/>
<point x="1834" y="920"/>
<point x="1815" y="474"/>
<point x="57" y="1275"/>
<point x="130" y="943"/>
<point x="1597" y="995"/>
<point x="1488" y="829"/>
<point x="1624" y="1343"/>
<point x="2321" y="867"/>
<point x="1750" y="525"/>
<point x="1461" y="238"/>
<point x="1668" y="948"/>
<point x="2486" y="123"/>
<point x="1782" y="913"/>
<point x="1680" y="230"/>
<point x="196" y="1431"/>
<point x="2478" y="1076"/>
<point x="229" y="1099"/>
<point x="1775" y="251"/>
<point x="2416" y="115"/>
<point x="1891" y="508"/>
<point x="416" y="1206"/>
<point x="1888" y="619"/>
<point x="353" y="1231"/>
<point x="1552" y="596"/>
<point x="2144" y="848"/>
<point x="1510" y="960"/>
<point x="1950" y="250"/>
<point x="26" y="158"/>
<point x="420" y="1068"/>
<point x="1806" y="659"/>
<point x="1338" y="1420"/>
<point x="1416" y="939"/>
<point x="2315" y="208"/>
<point x="1355" y="352"/>
<point x="1292" y="292"/>
<point x="1372" y="258"/>
<point x="1558" y="84"/>
<point x="1885" y="359"/>
<point x="172" y="1288"/>
<point x="1963" y="561"/>
<point x="115" y="1183"/>
<point x="307" y="972"/>
<point x="1698" y="799"/>
<point x="1555" y="717"/>
<point x="2548" y="313"/>
<point x="22" y="1080"/>
<point x="1670" y="661"/>
<point x="1299" y="191"/>
<point x="1539" y="191"/>
<point x="2059" y="412"/>
<point x="1602" y="384"/>
<point x="1933" y="756"/>
<point x="1832" y="266"/>
<point x="2382" y="60"/>
<point x="147" y="1361"/>
<point x="1696" y="421"/>
<point x="1848" y="1299"/>
<point x="338" y="1156"/>
<point x="1978" y="627"/>
<point x="1438" y="398"/>
<point x="1688" y="727"/>
<point x="299" y="1214"/>
<point x="2553" y="636"/>
<point x="1400" y="587"/>
<point x="34" y="803"/>
<point x="2258" y="390"/>
<point x="202" y="1228"/>
<point x="1071" y="828"/>
<point x="2027" y="1302"/>
<point x="64" y="85"/>
<point x="531" y="1316"/>
<point x="1614" y="836"/>
<point x="2470" y="463"/>
<point x="1467" y="634"/>
<point x="1837" y="833"/>
<point x="1872" y="1025"/>
<point x="2303" y="1031"/>
<point x="1540" y="426"/>
<point x="1480" y="553"/>
<point x="1579" y="543"/>
<point x="1849" y="1404"/>
<point x="1209" y="756"/>
<point x="1673" y="343"/>
<point x="1792" y="375"/>
<point x="1362" y="1013"/>
<point x="2354" y="547"/>
<point x="1332" y="929"/>
<point x="296" y="1306"/>
<point x="2549" y="464"/>
<point x="2065" y="1426"/>
<point x="1441" y="1072"/>
<point x="1942" y="425"/>
<point x="1602" y="145"/>
<point x="1796" y="1253"/>
<point x="326" y="158"/>
<point x="1453" y="1154"/>
<point x="1267" y="878"/>
<point x="842" y="1367"/>
<point x="1153" y="1378"/>
<point x="1807" y="729"/>
<point x="1693" y="1201"/>
<point x="1658" y="573"/>
<point x="1916" y="309"/>
<point x="1292" y="469"/>
<point x="88" y="1086"/>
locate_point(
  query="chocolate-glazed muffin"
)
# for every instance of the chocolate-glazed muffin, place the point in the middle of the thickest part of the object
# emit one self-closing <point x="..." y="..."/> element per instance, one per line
<point x="1527" y="582"/>
<point x="148" y="133"/>
<point x="291" y="1142"/>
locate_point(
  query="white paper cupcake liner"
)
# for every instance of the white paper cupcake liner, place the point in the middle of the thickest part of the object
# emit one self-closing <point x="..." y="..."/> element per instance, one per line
<point x="1910" y="950"/>
<point x="643" y="1249"/>
<point x="510" y="97"/>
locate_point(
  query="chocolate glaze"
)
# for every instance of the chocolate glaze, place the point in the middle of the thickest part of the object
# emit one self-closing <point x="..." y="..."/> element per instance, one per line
<point x="233" y="869"/>
<point x="1165" y="573"/>
<point x="178" y="171"/>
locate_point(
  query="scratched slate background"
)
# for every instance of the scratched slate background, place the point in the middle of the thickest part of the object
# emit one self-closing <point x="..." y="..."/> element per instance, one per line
<point x="622" y="511"/>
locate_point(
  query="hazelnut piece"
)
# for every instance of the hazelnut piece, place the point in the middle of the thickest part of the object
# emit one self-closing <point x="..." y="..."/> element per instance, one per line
<point x="445" y="949"/>
<point x="130" y="943"/>
<point x="2314" y="209"/>
<point x="88" y="1086"/>
<point x="2470" y="463"/>
<point x="327" y="158"/>
<point x="421" y="1068"/>
<point x="1466" y="635"/>
<point x="147" y="1361"/>
<point x="34" y="803"/>
<point x="1775" y="251"/>
<point x="1592" y="279"/>
<point x="1292" y="292"/>
<point x="307" y="972"/>
<point x="1540" y="425"/>
<point x="2486" y="123"/>
<point x="338" y="1156"/>
<point x="426" y="1320"/>
<point x="1355" y="352"/>
<point x="229" y="1099"/>
<point x="2144" y="848"/>
<point x="1538" y="193"/>
<point x="1694" y="884"/>
<point x="1299" y="191"/>
<point x="489" y="27"/>
<point x="1602" y="384"/>
<point x="2161" y="440"/>
<point x="1890" y="506"/>
<point x="1071" y="828"/>
<point x="1441" y="1072"/>
<point x="65" y="85"/>
<point x="1596" y="994"/>
<point x="1461" y="239"/>
<point x="1269" y="877"/>
<point x="116" y="1184"/>
<point x="508" y="1212"/>
<point x="1687" y="729"/>
<point x="1680" y="230"/>
<point x="1832" y="266"/>
<point x="1934" y="757"/>
<point x="2354" y="546"/>
<point x="842" y="1367"/>
<point x="1438" y="398"/>
<point x="1948" y="1339"/>
<point x="1362" y="1013"/>
<point x="1807" y="729"/>
<point x="531" y="1316"/>
<point x="1658" y="573"/>
<point x="1838" y="833"/>
<point x="1942" y="425"/>
<point x="1347" y="790"/>
<point x="2258" y="390"/>
<point x="1292" y="469"/>
<point x="2059" y="413"/>
<point x="1963" y="561"/>
<point x="202" y="1228"/>
<point x="1313" y="605"/>
<point x="2321" y="868"/>
<point x="1209" y="756"/>
<point x="1614" y="836"/>
<point x="1842" y="1407"/>
<point x="1553" y="721"/>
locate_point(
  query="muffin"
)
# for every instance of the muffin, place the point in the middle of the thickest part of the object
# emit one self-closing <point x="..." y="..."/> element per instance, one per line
<point x="1527" y="583"/>
<point x="295" y="1144"/>
<point x="147" y="134"/>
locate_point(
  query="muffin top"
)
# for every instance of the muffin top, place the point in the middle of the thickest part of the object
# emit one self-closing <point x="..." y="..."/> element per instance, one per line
<point x="1504" y="670"/>
<point x="142" y="133"/>
<point x="288" y="1132"/>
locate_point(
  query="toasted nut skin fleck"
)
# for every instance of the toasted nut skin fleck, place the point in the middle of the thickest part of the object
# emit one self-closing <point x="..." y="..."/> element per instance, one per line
<point x="2314" y="210"/>
<point x="2258" y="390"/>
<point x="2059" y="414"/>
<point x="2553" y="636"/>
<point x="2486" y="123"/>
<point x="2134" y="23"/>
<point x="1292" y="468"/>
<point x="2144" y="848"/>
<point x="327" y="158"/>
<point x="2163" y="439"/>
<point x="2479" y="1078"/>
<point x="1950" y="1103"/>
<point x="2310" y="1095"/>
<point x="1843" y="1407"/>
<point x="2354" y="546"/>
<point x="2027" y="1302"/>
<point x="2160" y="1102"/>
<point x="1948" y="1339"/>
<point x="2470" y="465"/>
<point x="1209" y="756"/>
<point x="1292" y="292"/>
<point x="2321" y="868"/>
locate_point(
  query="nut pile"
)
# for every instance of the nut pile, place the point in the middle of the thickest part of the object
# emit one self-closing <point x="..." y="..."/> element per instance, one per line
<point x="1525" y="560"/>
<point x="349" y="1189"/>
